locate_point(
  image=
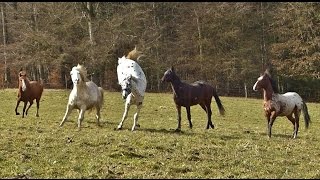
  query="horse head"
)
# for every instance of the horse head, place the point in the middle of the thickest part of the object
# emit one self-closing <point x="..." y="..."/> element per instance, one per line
<point x="127" y="84"/>
<point x="168" y="75"/>
<point x="22" y="78"/>
<point x="78" y="74"/>
<point x="264" y="81"/>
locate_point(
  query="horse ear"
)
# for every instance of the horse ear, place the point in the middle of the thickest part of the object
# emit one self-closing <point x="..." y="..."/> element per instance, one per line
<point x="267" y="71"/>
<point x="172" y="68"/>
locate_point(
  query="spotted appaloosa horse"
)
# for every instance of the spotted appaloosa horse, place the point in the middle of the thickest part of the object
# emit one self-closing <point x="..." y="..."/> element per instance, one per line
<point x="187" y="95"/>
<point x="275" y="104"/>
<point x="133" y="84"/>
<point x="27" y="92"/>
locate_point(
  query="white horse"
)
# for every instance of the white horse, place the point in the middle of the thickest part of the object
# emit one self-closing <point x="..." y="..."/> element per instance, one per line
<point x="133" y="84"/>
<point x="85" y="95"/>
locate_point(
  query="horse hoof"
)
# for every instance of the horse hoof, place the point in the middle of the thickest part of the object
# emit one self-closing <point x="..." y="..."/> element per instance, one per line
<point x="17" y="113"/>
<point x="177" y="130"/>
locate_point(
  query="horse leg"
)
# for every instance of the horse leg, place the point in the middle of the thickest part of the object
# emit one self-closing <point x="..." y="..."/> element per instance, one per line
<point x="38" y="105"/>
<point x="271" y="119"/>
<point x="18" y="102"/>
<point x="81" y="116"/>
<point x="205" y="109"/>
<point x="98" y="115"/>
<point x="24" y="108"/>
<point x="189" y="116"/>
<point x="292" y="120"/>
<point x="30" y="104"/>
<point x="179" y="117"/>
<point x="208" y="111"/>
<point x="135" y="117"/>
<point x="125" y="115"/>
<point x="68" y="111"/>
<point x="296" y="124"/>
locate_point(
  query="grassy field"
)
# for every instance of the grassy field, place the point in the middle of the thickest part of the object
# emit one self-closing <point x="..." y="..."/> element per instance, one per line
<point x="238" y="147"/>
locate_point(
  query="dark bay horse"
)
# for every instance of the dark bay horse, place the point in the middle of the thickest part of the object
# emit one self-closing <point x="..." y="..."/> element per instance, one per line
<point x="27" y="92"/>
<point x="275" y="104"/>
<point x="187" y="95"/>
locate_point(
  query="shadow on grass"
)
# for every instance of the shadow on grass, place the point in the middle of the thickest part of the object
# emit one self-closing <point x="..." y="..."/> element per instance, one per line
<point x="163" y="131"/>
<point x="287" y="136"/>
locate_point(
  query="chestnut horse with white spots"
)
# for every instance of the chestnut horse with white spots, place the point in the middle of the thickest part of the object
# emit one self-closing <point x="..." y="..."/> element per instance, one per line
<point x="289" y="104"/>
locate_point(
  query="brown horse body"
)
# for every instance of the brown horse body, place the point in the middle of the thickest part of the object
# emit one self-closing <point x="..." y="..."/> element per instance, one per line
<point x="27" y="92"/>
<point x="187" y="95"/>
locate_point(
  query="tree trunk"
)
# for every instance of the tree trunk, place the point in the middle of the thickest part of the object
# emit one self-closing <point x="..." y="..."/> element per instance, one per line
<point x="245" y="91"/>
<point x="199" y="37"/>
<point x="263" y="43"/>
<point x="90" y="18"/>
<point x="5" y="40"/>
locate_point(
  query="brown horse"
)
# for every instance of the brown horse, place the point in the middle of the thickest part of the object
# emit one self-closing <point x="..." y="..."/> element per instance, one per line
<point x="27" y="92"/>
<point x="275" y="104"/>
<point x="187" y="95"/>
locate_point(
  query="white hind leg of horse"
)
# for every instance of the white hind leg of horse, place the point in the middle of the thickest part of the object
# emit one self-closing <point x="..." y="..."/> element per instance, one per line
<point x="98" y="116"/>
<point x="68" y="111"/>
<point x="136" y="117"/>
<point x="125" y="114"/>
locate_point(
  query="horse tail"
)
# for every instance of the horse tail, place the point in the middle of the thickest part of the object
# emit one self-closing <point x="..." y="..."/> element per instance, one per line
<point x="218" y="101"/>
<point x="306" y="114"/>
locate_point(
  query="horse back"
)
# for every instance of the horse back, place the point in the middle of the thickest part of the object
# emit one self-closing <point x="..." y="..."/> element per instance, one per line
<point x="195" y="93"/>
<point x="288" y="102"/>
<point x="36" y="89"/>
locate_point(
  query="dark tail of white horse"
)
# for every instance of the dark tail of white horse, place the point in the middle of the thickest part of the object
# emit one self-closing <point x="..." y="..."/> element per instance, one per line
<point x="306" y="115"/>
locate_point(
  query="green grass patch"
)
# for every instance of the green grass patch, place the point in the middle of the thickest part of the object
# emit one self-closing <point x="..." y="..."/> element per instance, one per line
<point x="238" y="147"/>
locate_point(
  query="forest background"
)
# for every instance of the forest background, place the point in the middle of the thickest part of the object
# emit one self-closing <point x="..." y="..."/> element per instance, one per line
<point x="225" y="44"/>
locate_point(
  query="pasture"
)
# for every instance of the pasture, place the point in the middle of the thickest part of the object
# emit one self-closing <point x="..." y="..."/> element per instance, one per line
<point x="238" y="147"/>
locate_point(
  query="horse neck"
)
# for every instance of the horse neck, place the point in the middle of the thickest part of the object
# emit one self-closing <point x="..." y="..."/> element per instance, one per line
<point x="175" y="84"/>
<point x="27" y="83"/>
<point x="267" y="92"/>
<point x="80" y="87"/>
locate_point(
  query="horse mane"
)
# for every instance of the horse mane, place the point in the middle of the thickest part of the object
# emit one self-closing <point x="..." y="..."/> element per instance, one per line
<point x="273" y="83"/>
<point x="134" y="54"/>
<point x="83" y="72"/>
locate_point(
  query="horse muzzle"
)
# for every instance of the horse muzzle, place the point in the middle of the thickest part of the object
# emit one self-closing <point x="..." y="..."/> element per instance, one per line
<point x="125" y="93"/>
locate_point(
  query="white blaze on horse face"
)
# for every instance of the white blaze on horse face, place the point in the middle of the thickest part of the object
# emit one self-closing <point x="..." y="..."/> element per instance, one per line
<point x="255" y="85"/>
<point x="24" y="87"/>
<point x="75" y="76"/>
